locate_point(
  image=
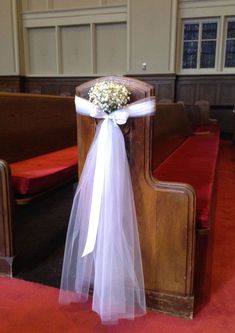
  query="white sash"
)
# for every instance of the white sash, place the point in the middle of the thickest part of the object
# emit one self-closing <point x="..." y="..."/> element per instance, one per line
<point x="102" y="248"/>
<point x="140" y="108"/>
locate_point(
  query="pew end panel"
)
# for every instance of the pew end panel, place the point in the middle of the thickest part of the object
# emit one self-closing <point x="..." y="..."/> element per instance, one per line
<point x="192" y="161"/>
<point x="165" y="210"/>
<point x="6" y="223"/>
<point x="166" y="222"/>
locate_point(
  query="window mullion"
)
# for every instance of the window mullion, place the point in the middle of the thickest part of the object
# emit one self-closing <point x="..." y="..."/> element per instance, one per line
<point x="229" y="45"/>
<point x="199" y="48"/>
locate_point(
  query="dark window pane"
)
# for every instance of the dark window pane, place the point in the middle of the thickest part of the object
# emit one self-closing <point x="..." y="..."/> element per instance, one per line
<point x="191" y="31"/>
<point x="190" y="55"/>
<point x="230" y="53"/>
<point x="231" y="30"/>
<point x="207" y="59"/>
<point x="209" y="30"/>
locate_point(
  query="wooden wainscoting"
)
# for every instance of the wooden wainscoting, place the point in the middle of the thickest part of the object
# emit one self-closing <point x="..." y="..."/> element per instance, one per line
<point x="219" y="90"/>
<point x="9" y="83"/>
<point x="164" y="85"/>
<point x="65" y="86"/>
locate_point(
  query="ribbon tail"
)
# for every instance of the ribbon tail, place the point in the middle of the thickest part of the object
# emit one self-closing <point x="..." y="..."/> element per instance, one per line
<point x="97" y="191"/>
<point x="106" y="201"/>
<point x="118" y="278"/>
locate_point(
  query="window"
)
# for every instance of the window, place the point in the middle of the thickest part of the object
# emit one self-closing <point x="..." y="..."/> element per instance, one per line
<point x="199" y="44"/>
<point x="230" y="44"/>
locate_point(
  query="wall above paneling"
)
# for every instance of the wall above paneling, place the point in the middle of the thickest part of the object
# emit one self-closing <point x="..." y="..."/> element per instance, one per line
<point x="152" y="36"/>
<point x="42" y="5"/>
<point x="75" y="49"/>
<point x="88" y="37"/>
<point x="42" y="50"/>
<point x="85" y="41"/>
<point x="111" y="49"/>
<point x="100" y="37"/>
<point x="9" y="45"/>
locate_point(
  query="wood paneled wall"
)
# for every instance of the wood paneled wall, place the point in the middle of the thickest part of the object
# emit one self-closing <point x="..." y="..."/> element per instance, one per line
<point x="65" y="86"/>
<point x="219" y="90"/>
<point x="10" y="83"/>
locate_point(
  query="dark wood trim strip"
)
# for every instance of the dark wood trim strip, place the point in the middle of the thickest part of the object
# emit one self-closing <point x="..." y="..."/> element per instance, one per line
<point x="180" y="306"/>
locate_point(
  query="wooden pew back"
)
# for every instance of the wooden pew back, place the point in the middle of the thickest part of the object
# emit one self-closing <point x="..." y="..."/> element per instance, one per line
<point x="31" y="125"/>
<point x="170" y="129"/>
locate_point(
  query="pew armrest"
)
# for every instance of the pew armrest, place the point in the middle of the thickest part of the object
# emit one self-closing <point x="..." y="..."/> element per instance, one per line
<point x="6" y="225"/>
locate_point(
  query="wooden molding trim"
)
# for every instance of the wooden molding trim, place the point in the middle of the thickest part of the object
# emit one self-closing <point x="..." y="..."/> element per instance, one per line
<point x="180" y="306"/>
<point x="217" y="89"/>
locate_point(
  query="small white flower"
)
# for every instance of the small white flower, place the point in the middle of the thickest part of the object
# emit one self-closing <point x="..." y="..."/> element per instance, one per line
<point x="109" y="96"/>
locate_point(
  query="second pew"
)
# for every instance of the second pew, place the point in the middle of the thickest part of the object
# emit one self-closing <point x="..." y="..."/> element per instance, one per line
<point x="38" y="155"/>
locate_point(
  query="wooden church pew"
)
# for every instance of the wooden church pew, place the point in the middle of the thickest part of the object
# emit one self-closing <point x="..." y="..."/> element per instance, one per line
<point x="38" y="154"/>
<point x="167" y="211"/>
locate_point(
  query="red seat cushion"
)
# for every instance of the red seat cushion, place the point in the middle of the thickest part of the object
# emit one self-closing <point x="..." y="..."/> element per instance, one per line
<point x="42" y="172"/>
<point x="194" y="163"/>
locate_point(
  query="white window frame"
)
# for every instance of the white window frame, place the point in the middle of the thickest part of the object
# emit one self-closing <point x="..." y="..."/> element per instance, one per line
<point x="227" y="69"/>
<point x="199" y="70"/>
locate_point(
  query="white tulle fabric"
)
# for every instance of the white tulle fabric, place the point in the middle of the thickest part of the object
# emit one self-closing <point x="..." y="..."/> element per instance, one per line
<point x="102" y="249"/>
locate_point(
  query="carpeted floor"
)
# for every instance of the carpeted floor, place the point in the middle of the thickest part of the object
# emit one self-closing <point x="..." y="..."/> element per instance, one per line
<point x="32" y="308"/>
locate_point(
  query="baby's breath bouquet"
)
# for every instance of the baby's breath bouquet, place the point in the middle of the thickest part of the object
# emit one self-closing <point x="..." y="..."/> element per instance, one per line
<point x="109" y="96"/>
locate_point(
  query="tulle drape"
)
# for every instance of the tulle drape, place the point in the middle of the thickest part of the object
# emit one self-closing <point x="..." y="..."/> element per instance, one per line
<point x="113" y="270"/>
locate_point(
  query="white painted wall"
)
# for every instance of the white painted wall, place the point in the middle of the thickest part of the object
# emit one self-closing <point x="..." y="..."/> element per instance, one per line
<point x="99" y="37"/>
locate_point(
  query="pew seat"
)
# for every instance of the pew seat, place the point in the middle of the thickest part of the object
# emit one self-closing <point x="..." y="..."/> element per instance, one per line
<point x="34" y="176"/>
<point x="194" y="162"/>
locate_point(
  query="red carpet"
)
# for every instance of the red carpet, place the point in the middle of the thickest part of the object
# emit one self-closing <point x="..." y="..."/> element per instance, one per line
<point x="31" y="308"/>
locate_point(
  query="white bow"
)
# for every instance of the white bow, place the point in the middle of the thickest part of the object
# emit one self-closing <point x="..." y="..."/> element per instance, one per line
<point x="140" y="108"/>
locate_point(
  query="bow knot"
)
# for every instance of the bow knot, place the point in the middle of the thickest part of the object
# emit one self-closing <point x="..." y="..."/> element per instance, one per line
<point x="118" y="116"/>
